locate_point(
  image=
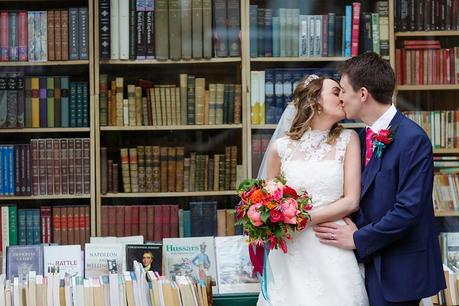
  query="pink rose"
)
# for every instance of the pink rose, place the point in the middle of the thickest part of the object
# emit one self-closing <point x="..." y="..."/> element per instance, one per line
<point x="274" y="188"/>
<point x="276" y="215"/>
<point x="289" y="210"/>
<point x="254" y="215"/>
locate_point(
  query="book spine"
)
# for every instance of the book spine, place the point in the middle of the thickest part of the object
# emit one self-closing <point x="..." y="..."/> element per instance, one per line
<point x="196" y="8"/>
<point x="104" y="29"/>
<point x="186" y="25"/>
<point x="355" y="28"/>
<point x="124" y="29"/>
<point x="83" y="33"/>
<point x="133" y="29"/>
<point x="13" y="45"/>
<point x="175" y="48"/>
<point x="78" y="166"/>
<point x="51" y="36"/>
<point x="57" y="166"/>
<point x="22" y="36"/>
<point x="114" y="30"/>
<point x="4" y="36"/>
<point x="161" y="30"/>
<point x="150" y="30"/>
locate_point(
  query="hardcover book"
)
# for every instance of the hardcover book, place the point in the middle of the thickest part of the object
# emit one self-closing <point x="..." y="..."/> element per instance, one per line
<point x="96" y="257"/>
<point x="22" y="259"/>
<point x="150" y="255"/>
<point x="65" y="257"/>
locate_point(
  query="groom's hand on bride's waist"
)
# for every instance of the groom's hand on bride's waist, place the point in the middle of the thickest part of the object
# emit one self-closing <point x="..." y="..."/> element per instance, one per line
<point x="341" y="236"/>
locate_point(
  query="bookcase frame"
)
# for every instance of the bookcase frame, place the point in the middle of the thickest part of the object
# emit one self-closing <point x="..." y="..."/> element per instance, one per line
<point x="43" y="131"/>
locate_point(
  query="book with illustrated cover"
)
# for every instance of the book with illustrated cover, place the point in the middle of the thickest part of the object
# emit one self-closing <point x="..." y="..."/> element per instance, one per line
<point x="22" y="259"/>
<point x="150" y="255"/>
<point x="66" y="257"/>
<point x="234" y="268"/>
<point x="96" y="256"/>
<point x="194" y="257"/>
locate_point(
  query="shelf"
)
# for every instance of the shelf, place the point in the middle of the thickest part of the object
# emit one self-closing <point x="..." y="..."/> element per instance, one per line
<point x="427" y="87"/>
<point x="45" y="197"/>
<point x="299" y="59"/>
<point x="446" y="213"/>
<point x="50" y="63"/>
<point x="170" y="127"/>
<point x="46" y="130"/>
<point x="446" y="151"/>
<point x="168" y="194"/>
<point x="273" y="126"/>
<point x="426" y="33"/>
<point x="172" y="62"/>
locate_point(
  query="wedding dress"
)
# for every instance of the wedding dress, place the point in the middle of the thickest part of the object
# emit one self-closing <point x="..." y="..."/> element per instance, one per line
<point x="312" y="273"/>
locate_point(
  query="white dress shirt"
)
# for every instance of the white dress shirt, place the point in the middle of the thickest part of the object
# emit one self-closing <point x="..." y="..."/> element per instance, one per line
<point x="384" y="121"/>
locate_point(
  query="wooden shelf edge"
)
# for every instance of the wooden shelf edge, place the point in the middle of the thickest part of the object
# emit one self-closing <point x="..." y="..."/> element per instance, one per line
<point x="171" y="127"/>
<point x="427" y="87"/>
<point x="299" y="59"/>
<point x="50" y="63"/>
<point x="427" y="33"/>
<point x="45" y="197"/>
<point x="168" y="194"/>
<point x="446" y="151"/>
<point x="46" y="130"/>
<point x="172" y="62"/>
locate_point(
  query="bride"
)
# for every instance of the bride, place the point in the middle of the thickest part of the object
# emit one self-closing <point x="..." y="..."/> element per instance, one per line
<point x="315" y="154"/>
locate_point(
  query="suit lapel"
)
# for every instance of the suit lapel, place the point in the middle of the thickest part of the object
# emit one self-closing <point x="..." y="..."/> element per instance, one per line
<point x="374" y="165"/>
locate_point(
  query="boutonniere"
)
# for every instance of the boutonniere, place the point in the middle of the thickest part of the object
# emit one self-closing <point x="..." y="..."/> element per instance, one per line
<point x="382" y="139"/>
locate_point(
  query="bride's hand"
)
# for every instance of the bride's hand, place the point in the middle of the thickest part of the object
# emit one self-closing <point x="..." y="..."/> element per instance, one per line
<point x="341" y="236"/>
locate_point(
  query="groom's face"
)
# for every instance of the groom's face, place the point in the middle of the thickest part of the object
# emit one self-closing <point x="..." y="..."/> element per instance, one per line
<point x="352" y="100"/>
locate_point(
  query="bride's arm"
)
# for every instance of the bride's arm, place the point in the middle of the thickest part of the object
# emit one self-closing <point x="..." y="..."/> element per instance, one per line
<point x="349" y="203"/>
<point x="273" y="162"/>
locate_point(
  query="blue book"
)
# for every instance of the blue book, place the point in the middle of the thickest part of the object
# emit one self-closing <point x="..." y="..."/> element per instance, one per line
<point x="11" y="186"/>
<point x="278" y="92"/>
<point x="287" y="87"/>
<point x="2" y="176"/>
<point x="270" y="103"/>
<point x="253" y="31"/>
<point x="73" y="104"/>
<point x="79" y="104"/>
<point x="186" y="223"/>
<point x="203" y="217"/>
<point x="268" y="32"/>
<point x="347" y="30"/>
<point x="36" y="230"/>
<point x="65" y="101"/>
<point x="20" y="260"/>
<point x="276" y="36"/>
<point x="331" y="34"/>
<point x="29" y="226"/>
<point x="6" y="170"/>
<point x="85" y="105"/>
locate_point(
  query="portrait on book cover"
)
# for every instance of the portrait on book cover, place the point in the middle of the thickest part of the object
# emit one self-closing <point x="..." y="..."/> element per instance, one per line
<point x="149" y="255"/>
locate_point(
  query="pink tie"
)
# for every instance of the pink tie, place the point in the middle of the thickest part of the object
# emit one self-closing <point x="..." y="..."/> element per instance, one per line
<point x="369" y="145"/>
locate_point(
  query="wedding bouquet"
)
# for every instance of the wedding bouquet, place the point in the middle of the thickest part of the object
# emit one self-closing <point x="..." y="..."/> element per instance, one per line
<point x="270" y="211"/>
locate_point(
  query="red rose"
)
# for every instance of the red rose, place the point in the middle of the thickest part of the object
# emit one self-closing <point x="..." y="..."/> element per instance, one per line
<point x="384" y="133"/>
<point x="383" y="136"/>
<point x="290" y="191"/>
<point x="276" y="215"/>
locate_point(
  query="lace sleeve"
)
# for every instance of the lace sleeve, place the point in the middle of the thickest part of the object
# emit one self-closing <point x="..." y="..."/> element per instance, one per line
<point x="341" y="144"/>
<point x="283" y="148"/>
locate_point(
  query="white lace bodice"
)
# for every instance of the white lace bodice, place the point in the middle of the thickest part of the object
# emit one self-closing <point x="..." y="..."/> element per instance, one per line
<point x="313" y="165"/>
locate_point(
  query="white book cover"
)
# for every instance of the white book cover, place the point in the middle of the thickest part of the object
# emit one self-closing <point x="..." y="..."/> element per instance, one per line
<point x="66" y="257"/>
<point x="114" y="30"/>
<point x="5" y="233"/>
<point x="124" y="29"/>
<point x="194" y="257"/>
<point x="96" y="256"/>
<point x="234" y="269"/>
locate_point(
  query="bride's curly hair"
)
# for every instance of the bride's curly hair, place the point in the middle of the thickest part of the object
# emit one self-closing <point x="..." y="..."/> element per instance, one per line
<point x="306" y="99"/>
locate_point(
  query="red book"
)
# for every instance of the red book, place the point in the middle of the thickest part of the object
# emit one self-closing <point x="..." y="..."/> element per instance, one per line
<point x="4" y="35"/>
<point x="437" y="66"/>
<point x="421" y="67"/>
<point x="120" y="221"/>
<point x="57" y="225"/>
<point x="49" y="167"/>
<point x="174" y="221"/>
<point x="45" y="216"/>
<point x="411" y="47"/>
<point x="127" y="220"/>
<point x="143" y="214"/>
<point x="111" y="220"/>
<point x="57" y="166"/>
<point x="76" y="225"/>
<point x="104" y="220"/>
<point x="157" y="225"/>
<point x="135" y="220"/>
<point x="64" y="226"/>
<point x="398" y="66"/>
<point x="447" y="66"/>
<point x="150" y="223"/>
<point x="22" y="35"/>
<point x="355" y="28"/>
<point x="87" y="224"/>
<point x="70" y="225"/>
<point x="42" y="166"/>
<point x="64" y="166"/>
<point x="86" y="166"/>
<point x="420" y="42"/>
<point x="166" y="220"/>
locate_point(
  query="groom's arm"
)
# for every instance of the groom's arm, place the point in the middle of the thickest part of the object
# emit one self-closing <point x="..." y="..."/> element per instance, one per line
<point x="413" y="190"/>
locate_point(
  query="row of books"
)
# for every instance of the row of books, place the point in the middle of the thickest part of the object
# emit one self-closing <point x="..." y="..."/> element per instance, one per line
<point x="446" y="191"/>
<point x="260" y="142"/>
<point x="38" y="36"/>
<point x="424" y="62"/>
<point x="45" y="167"/>
<point x="292" y="34"/>
<point x="442" y="127"/>
<point x="150" y="104"/>
<point x="41" y="102"/>
<point x="166" y="169"/>
<point x="426" y="15"/>
<point x="156" y="222"/>
<point x="161" y="29"/>
<point x="224" y="259"/>
<point x="272" y="89"/>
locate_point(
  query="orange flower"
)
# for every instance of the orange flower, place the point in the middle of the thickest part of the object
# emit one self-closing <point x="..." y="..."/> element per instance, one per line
<point x="257" y="196"/>
<point x="271" y="205"/>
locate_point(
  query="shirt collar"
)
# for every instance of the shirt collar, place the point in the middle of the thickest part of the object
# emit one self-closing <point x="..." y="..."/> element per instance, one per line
<point x="384" y="121"/>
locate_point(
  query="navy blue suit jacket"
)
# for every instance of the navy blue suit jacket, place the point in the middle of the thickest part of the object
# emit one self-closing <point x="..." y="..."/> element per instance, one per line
<point x="396" y="219"/>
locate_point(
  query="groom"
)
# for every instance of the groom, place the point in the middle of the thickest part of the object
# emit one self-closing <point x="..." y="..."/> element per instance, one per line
<point x="394" y="232"/>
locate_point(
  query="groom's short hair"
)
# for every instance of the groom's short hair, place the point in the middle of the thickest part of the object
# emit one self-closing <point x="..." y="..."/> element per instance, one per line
<point x="371" y="71"/>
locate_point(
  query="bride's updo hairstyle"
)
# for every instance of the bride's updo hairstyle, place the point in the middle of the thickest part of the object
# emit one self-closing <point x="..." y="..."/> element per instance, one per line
<point x="306" y="99"/>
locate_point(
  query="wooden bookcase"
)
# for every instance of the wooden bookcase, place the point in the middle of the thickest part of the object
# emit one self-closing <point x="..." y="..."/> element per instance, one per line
<point x="83" y="69"/>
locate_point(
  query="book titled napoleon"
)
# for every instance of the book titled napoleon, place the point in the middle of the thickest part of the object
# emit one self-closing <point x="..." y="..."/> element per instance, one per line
<point x="194" y="257"/>
<point x="21" y="259"/>
<point x="150" y="255"/>
<point x="234" y="268"/>
<point x="65" y="257"/>
<point x="96" y="256"/>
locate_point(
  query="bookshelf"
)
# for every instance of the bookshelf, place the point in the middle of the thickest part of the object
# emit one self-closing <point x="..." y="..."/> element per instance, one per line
<point x="75" y="70"/>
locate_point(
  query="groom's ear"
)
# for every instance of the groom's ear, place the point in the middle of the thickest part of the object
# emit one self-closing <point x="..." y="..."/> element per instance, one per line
<point x="364" y="94"/>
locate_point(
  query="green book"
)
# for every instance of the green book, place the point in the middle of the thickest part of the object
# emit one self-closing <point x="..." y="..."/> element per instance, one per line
<point x="13" y="224"/>
<point x="375" y="30"/>
<point x="186" y="223"/>
<point x="180" y="220"/>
